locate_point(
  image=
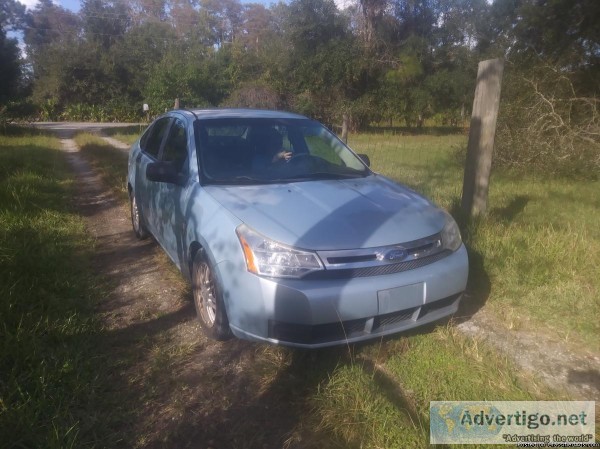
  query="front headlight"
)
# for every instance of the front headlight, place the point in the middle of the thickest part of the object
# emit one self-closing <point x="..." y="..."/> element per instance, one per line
<point x="451" y="234"/>
<point x="269" y="258"/>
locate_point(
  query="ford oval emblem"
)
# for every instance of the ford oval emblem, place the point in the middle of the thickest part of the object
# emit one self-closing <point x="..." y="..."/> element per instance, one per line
<point x="396" y="254"/>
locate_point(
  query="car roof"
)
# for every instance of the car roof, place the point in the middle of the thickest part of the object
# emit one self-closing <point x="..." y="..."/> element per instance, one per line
<point x="217" y="113"/>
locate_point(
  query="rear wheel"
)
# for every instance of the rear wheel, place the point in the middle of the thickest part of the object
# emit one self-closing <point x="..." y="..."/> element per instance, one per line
<point x="136" y="218"/>
<point x="208" y="299"/>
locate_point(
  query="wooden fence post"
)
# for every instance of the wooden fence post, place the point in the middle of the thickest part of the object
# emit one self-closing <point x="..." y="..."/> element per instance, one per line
<point x="345" y="128"/>
<point x="481" y="137"/>
<point x="176" y="105"/>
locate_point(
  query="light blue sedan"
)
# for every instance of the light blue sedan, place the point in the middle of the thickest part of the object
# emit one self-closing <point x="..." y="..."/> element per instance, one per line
<point x="286" y="234"/>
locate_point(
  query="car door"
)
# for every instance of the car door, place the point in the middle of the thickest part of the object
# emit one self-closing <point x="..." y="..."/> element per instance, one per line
<point x="145" y="190"/>
<point x="170" y="216"/>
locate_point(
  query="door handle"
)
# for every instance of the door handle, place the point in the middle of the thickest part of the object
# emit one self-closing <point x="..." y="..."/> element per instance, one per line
<point x="138" y="158"/>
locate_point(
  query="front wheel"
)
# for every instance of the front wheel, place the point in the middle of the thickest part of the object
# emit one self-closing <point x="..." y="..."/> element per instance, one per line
<point x="208" y="300"/>
<point x="137" y="221"/>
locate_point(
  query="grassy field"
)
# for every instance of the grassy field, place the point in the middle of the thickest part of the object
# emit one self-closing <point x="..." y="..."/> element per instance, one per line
<point x="50" y="371"/>
<point x="538" y="243"/>
<point x="539" y="246"/>
<point x="366" y="396"/>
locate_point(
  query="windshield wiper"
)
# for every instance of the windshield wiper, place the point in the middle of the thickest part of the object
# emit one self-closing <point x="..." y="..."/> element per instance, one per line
<point x="239" y="180"/>
<point x="244" y="179"/>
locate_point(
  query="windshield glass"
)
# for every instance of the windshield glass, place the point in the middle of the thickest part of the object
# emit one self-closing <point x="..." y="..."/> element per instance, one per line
<point x="250" y="151"/>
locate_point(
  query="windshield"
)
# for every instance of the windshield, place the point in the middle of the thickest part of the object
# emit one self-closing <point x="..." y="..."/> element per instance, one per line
<point x="257" y="151"/>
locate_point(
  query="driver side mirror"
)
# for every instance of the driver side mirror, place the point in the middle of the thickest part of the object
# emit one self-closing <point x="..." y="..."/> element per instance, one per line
<point x="365" y="159"/>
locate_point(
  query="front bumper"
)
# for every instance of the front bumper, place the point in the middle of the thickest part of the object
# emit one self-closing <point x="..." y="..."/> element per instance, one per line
<point x="326" y="312"/>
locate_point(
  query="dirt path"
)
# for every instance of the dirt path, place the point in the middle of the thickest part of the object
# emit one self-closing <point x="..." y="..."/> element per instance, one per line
<point x="120" y="254"/>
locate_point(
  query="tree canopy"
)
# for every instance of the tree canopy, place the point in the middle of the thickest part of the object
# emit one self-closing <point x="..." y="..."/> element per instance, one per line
<point x="407" y="60"/>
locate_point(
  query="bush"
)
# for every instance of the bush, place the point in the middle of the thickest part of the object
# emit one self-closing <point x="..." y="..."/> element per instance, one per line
<point x="111" y="112"/>
<point x="254" y="95"/>
<point x="545" y="124"/>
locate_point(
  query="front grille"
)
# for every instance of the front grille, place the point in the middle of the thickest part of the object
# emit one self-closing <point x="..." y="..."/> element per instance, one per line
<point x="320" y="333"/>
<point x="340" y="331"/>
<point x="352" y="259"/>
<point x="350" y="273"/>
<point x="393" y="318"/>
<point x="436" y="305"/>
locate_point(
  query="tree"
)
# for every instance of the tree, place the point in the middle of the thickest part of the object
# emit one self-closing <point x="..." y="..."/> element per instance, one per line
<point x="564" y="34"/>
<point x="135" y="56"/>
<point x="10" y="72"/>
<point x="222" y="18"/>
<point x="256" y="26"/>
<point x="12" y="17"/>
<point x="50" y="35"/>
<point x="313" y="23"/>
<point x="104" y="22"/>
<point x="373" y="11"/>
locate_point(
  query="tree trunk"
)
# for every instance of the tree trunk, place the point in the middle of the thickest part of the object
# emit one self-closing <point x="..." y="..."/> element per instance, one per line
<point x="420" y="121"/>
<point x="345" y="128"/>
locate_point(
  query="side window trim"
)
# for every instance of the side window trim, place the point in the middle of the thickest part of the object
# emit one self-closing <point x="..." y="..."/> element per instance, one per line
<point x="164" y="139"/>
<point x="161" y="151"/>
<point x="146" y="136"/>
<point x="162" y="142"/>
<point x="184" y="168"/>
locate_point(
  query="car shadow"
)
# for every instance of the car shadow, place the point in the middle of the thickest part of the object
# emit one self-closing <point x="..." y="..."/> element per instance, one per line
<point x="254" y="415"/>
<point x="479" y="284"/>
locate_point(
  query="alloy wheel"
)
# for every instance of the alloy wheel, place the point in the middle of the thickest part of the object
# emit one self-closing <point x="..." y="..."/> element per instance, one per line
<point x="205" y="295"/>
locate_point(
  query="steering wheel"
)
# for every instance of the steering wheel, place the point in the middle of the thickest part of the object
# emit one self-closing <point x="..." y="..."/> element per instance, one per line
<point x="298" y="156"/>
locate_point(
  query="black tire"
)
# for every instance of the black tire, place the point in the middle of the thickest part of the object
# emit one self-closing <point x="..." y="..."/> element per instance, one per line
<point x="208" y="299"/>
<point x="137" y="220"/>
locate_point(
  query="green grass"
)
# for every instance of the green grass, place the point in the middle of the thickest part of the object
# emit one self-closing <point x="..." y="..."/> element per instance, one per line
<point x="108" y="161"/>
<point x="539" y="246"/>
<point x="126" y="138"/>
<point x="50" y="370"/>
<point x="380" y="397"/>
<point x="424" y="162"/>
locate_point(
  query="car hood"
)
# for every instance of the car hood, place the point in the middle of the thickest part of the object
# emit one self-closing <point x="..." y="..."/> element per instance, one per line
<point x="333" y="214"/>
